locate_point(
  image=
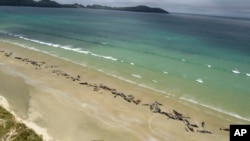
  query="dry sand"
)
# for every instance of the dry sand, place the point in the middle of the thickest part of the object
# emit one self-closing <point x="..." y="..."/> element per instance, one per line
<point x="62" y="109"/>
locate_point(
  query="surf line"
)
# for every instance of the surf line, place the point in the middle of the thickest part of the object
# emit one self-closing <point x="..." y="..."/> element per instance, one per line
<point x="136" y="75"/>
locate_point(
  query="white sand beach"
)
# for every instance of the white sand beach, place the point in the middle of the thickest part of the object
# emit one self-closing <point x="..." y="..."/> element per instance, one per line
<point x="68" y="102"/>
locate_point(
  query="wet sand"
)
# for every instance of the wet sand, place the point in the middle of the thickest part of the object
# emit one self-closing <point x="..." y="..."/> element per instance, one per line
<point x="68" y="102"/>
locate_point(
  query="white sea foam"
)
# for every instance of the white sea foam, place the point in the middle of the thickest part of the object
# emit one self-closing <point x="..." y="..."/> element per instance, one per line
<point x="215" y="108"/>
<point x="35" y="49"/>
<point x="199" y="80"/>
<point x="136" y="75"/>
<point x="236" y="71"/>
<point x="132" y="82"/>
<point x="25" y="46"/>
<point x="104" y="43"/>
<point x="66" y="47"/>
<point x="132" y="64"/>
<point x="209" y="66"/>
<point x="151" y="88"/>
<point x="165" y="72"/>
<point x="100" y="70"/>
<point x="3" y="32"/>
<point x="247" y="74"/>
<point x="155" y="81"/>
<point x="183" y="60"/>
<point x="106" y="57"/>
<point x="121" y="78"/>
<point x="69" y="47"/>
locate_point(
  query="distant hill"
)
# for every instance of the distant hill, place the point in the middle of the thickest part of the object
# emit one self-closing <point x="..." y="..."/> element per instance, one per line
<point x="140" y="8"/>
<point x="42" y="3"/>
<point x="50" y="3"/>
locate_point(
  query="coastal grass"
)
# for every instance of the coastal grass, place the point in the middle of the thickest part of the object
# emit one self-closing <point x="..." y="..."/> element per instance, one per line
<point x="11" y="130"/>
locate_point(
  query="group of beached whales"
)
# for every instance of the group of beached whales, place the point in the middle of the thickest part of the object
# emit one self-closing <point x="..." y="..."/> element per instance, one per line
<point x="153" y="107"/>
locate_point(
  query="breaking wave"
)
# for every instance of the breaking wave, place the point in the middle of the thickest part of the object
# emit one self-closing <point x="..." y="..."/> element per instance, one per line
<point x="215" y="108"/>
<point x="66" y="47"/>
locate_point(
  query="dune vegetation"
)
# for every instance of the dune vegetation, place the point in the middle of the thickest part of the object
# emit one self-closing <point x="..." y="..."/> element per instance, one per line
<point x="11" y="130"/>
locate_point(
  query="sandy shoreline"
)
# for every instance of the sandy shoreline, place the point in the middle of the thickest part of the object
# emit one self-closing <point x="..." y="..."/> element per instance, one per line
<point x="73" y="102"/>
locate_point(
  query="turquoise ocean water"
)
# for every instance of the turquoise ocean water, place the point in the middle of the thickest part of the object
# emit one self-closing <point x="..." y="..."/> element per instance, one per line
<point x="201" y="59"/>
